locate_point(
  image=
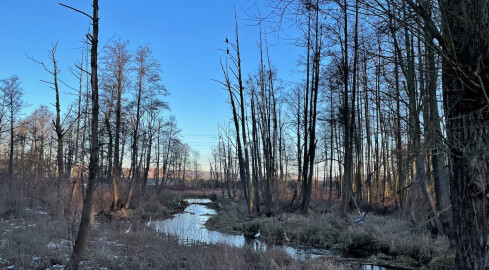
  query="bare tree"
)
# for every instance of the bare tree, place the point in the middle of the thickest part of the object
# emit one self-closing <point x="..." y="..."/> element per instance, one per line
<point x="117" y="60"/>
<point x="153" y="107"/>
<point x="314" y="47"/>
<point x="12" y="99"/>
<point x="82" y="236"/>
<point x="147" y="85"/>
<point x="58" y="123"/>
<point x="239" y="118"/>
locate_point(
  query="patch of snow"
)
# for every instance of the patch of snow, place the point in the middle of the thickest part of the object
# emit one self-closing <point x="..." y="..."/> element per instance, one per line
<point x="63" y="243"/>
<point x="31" y="225"/>
<point x="3" y="244"/>
<point x="11" y="267"/>
<point x="42" y="213"/>
<point x="107" y="242"/>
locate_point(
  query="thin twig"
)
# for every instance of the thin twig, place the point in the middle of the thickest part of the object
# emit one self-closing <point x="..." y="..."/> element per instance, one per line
<point x="483" y="88"/>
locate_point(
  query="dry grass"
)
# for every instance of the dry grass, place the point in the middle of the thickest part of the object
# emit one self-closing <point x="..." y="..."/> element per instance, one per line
<point x="142" y="249"/>
<point x="38" y="226"/>
<point x="48" y="243"/>
<point x="383" y="239"/>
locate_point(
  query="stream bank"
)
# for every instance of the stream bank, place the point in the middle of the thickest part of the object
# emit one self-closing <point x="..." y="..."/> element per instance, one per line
<point x="380" y="240"/>
<point x="189" y="228"/>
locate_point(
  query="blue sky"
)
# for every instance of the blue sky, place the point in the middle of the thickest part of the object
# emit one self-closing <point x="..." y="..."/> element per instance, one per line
<point x="185" y="36"/>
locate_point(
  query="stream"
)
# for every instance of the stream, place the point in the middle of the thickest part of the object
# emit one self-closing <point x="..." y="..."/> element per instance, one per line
<point x="189" y="228"/>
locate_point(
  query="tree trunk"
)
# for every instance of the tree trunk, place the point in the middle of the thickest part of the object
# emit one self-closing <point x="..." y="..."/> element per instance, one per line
<point x="11" y="154"/>
<point x="347" y="146"/>
<point x="94" y="147"/>
<point x="310" y="113"/>
<point x="116" y="204"/>
<point x="135" y="171"/>
<point x="438" y="158"/>
<point x="465" y="93"/>
<point x="148" y="159"/>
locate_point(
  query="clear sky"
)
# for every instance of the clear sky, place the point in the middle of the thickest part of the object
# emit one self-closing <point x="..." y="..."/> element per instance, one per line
<point x="185" y="36"/>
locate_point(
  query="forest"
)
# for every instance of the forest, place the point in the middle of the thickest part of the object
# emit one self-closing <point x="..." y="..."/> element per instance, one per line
<point x="376" y="157"/>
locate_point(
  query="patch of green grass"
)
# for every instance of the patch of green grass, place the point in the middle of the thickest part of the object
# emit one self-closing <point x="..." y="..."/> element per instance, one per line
<point x="442" y="262"/>
<point x="405" y="260"/>
<point x="226" y="221"/>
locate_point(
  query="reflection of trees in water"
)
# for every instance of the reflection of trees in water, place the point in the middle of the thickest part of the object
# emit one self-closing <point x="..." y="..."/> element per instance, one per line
<point x="189" y="228"/>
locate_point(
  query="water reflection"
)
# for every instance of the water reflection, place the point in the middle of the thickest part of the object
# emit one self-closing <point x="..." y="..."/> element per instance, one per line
<point x="189" y="228"/>
<point x="375" y="267"/>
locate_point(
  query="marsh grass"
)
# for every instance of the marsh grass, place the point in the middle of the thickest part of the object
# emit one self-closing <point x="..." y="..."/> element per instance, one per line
<point x="38" y="228"/>
<point x="383" y="239"/>
<point x="110" y="246"/>
<point x="144" y="249"/>
<point x="38" y="224"/>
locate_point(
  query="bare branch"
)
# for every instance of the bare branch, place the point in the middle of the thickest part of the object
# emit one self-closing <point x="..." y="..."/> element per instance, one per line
<point x="46" y="82"/>
<point x="72" y="122"/>
<point x="40" y="63"/>
<point x="77" y="10"/>
<point x="81" y="68"/>
<point x="67" y="85"/>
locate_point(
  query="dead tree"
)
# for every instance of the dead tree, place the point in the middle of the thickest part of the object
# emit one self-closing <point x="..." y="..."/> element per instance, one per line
<point x="239" y="119"/>
<point x="82" y="236"/>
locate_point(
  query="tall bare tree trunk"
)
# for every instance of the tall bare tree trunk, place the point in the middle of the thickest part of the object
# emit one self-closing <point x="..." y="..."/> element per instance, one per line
<point x="358" y="129"/>
<point x="82" y="236"/>
<point x="116" y="204"/>
<point x="438" y="158"/>
<point x="310" y="113"/>
<point x="400" y="164"/>
<point x="347" y="146"/>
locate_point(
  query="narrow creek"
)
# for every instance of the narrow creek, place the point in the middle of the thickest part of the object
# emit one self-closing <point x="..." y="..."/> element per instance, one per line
<point x="189" y="228"/>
